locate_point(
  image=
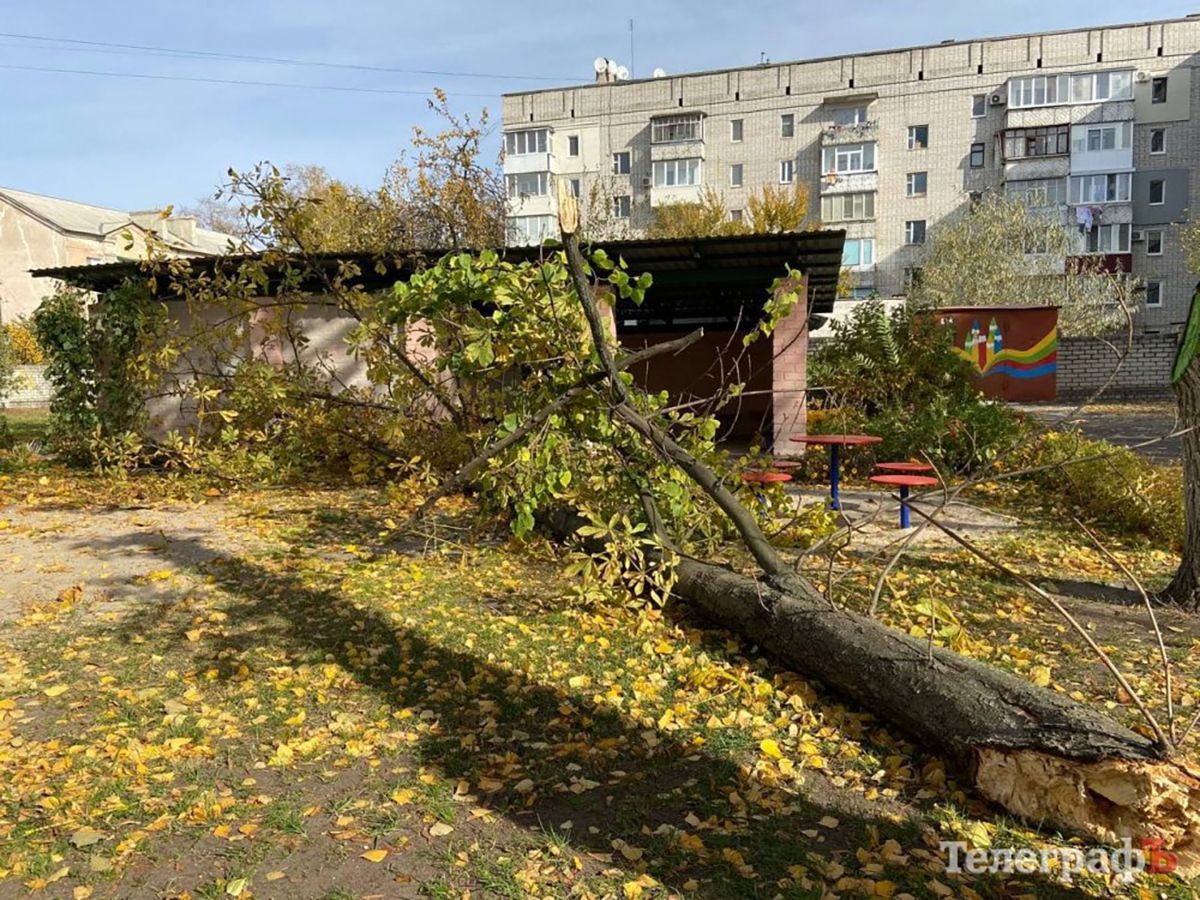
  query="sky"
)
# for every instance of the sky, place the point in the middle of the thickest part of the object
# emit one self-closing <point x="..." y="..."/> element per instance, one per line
<point x="141" y="143"/>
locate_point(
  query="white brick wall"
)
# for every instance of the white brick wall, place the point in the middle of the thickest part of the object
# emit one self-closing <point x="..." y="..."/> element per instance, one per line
<point x="32" y="388"/>
<point x="1084" y="365"/>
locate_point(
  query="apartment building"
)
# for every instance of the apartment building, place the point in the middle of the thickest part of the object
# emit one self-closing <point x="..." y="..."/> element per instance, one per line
<point x="1092" y="124"/>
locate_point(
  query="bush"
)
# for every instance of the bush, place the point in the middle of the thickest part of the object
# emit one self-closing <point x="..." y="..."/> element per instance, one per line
<point x="898" y="377"/>
<point x="25" y="348"/>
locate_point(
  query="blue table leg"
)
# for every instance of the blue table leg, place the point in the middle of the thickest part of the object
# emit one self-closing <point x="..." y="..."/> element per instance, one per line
<point x="835" y="499"/>
<point x="904" y="521"/>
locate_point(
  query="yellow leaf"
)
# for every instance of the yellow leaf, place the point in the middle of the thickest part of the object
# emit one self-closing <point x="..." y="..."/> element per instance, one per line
<point x="402" y="796"/>
<point x="632" y="890"/>
<point x="236" y="887"/>
<point x="81" y="892"/>
<point x="771" y="749"/>
<point x="375" y="855"/>
<point x="441" y="829"/>
<point x="193" y="635"/>
<point x="56" y="691"/>
<point x="248" y="829"/>
<point x="275" y="876"/>
<point x="1040" y="675"/>
<point x="829" y="822"/>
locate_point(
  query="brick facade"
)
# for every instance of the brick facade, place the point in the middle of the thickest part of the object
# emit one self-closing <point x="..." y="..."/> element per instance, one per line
<point x="1084" y="365"/>
<point x="32" y="388"/>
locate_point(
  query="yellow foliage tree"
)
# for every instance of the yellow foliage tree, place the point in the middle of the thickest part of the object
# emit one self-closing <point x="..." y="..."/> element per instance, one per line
<point x="772" y="210"/>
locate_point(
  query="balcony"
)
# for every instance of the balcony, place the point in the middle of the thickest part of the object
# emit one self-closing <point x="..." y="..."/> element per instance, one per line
<point x="525" y="163"/>
<point x="855" y="133"/>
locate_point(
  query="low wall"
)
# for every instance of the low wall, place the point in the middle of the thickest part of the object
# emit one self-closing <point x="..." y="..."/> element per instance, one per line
<point x="1085" y="364"/>
<point x="32" y="388"/>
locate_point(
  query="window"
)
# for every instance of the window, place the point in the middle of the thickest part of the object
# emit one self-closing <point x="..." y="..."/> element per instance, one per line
<point x="1154" y="293"/>
<point x="621" y="163"/>
<point x="676" y="172"/>
<point x="1154" y="242"/>
<point x="1051" y="140"/>
<point x="1158" y="189"/>
<point x="573" y="145"/>
<point x="1107" y="239"/>
<point x="918" y="137"/>
<point x="1158" y="140"/>
<point x="621" y="207"/>
<point x="528" y="184"/>
<point x="1112" y="188"/>
<point x="1058" y="90"/>
<point x="672" y="129"/>
<point x="979" y="106"/>
<point x="576" y="188"/>
<point x="840" y="207"/>
<point x="531" y="229"/>
<point x="1038" y="192"/>
<point x="94" y="261"/>
<point x="1093" y="138"/>
<point x="736" y="128"/>
<point x="849" y="115"/>
<point x="858" y="253"/>
<point x="912" y="277"/>
<point x="914" y="231"/>
<point x="787" y="125"/>
<point x="787" y="171"/>
<point x="519" y="143"/>
<point x="735" y="175"/>
<point x="977" y="155"/>
<point x="735" y="215"/>
<point x="916" y="184"/>
<point x="849" y="158"/>
<point x="1158" y="90"/>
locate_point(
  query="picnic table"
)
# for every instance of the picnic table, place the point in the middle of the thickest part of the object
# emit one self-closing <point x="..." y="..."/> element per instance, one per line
<point x="835" y="442"/>
<point x="904" y="468"/>
<point x="904" y="482"/>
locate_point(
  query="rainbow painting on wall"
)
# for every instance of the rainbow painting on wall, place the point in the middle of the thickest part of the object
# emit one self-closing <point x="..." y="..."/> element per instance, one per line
<point x="985" y="351"/>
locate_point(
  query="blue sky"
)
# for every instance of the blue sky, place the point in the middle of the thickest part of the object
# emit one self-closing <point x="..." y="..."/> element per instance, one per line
<point x="136" y="144"/>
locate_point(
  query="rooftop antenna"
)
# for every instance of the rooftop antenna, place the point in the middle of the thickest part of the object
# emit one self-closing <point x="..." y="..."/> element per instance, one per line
<point x="632" y="69"/>
<point x="762" y="58"/>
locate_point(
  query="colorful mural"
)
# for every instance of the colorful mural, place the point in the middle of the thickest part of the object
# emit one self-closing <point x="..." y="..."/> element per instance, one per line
<point x="987" y="354"/>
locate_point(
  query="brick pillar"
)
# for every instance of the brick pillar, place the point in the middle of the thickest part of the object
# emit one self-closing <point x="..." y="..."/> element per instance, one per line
<point x="789" y="377"/>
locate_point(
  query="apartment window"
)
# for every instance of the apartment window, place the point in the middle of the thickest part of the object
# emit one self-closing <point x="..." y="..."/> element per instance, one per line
<point x="676" y="172"/>
<point x="1038" y="192"/>
<point x="519" y="143"/>
<point x="918" y="137"/>
<point x="621" y="163"/>
<point x="1158" y="140"/>
<point x="1154" y="292"/>
<point x="735" y="215"/>
<point x="844" y="158"/>
<point x="736" y="129"/>
<point x="1107" y="239"/>
<point x="1158" y="90"/>
<point x="912" y="278"/>
<point x="979" y="106"/>
<point x="916" y="183"/>
<point x="858" y="253"/>
<point x="528" y="184"/>
<point x="735" y="175"/>
<point x="1154" y="242"/>
<point x="1093" y="138"/>
<point x="621" y="206"/>
<point x="977" y="156"/>
<point x="914" y="231"/>
<point x="1111" y="188"/>
<point x="841" y="207"/>
<point x="576" y="188"/>
<point x="787" y="125"/>
<point x="1051" y="140"/>
<point x="1158" y="189"/>
<point x="1059" y="90"/>
<point x="849" y="115"/>
<point x="531" y="229"/>
<point x="787" y="171"/>
<point x="573" y="145"/>
<point x="672" y="129"/>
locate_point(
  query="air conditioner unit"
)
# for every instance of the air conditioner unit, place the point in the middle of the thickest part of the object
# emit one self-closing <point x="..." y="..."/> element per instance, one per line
<point x="1141" y="77"/>
<point x="997" y="99"/>
<point x="1137" y="236"/>
<point x="646" y="182"/>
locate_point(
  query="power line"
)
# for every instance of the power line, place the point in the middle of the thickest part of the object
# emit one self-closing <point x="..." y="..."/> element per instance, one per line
<point x="235" y="81"/>
<point x="272" y="60"/>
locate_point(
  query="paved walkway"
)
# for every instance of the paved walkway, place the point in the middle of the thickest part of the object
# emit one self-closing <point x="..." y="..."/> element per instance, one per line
<point x="1126" y="423"/>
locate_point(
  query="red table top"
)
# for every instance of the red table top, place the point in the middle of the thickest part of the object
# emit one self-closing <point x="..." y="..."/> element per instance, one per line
<point x="844" y="440"/>
<point x="910" y="467"/>
<point x="905" y="480"/>
<point x="781" y="465"/>
<point x="760" y="477"/>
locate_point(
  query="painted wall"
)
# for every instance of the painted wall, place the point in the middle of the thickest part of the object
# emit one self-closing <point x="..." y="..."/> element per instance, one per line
<point x="1174" y="207"/>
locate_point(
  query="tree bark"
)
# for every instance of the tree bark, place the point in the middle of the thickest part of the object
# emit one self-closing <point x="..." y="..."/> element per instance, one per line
<point x="1184" y="589"/>
<point x="1036" y="753"/>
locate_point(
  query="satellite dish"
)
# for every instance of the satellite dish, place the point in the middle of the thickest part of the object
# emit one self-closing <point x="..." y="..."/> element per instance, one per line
<point x="612" y="66"/>
<point x="660" y="73"/>
<point x="600" y="64"/>
<point x="622" y="73"/>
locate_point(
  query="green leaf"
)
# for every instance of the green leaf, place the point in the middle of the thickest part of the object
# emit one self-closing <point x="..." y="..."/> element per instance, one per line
<point x="1190" y="342"/>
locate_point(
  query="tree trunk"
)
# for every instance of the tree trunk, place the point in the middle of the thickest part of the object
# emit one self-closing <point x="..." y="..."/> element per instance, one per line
<point x="1184" y="588"/>
<point x="1034" y="752"/>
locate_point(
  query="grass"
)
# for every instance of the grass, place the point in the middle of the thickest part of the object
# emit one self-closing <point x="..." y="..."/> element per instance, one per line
<point x="26" y="425"/>
<point x="319" y="695"/>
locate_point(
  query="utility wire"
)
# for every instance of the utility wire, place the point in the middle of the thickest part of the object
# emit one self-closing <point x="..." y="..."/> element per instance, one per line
<point x="277" y="84"/>
<point x="272" y="60"/>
